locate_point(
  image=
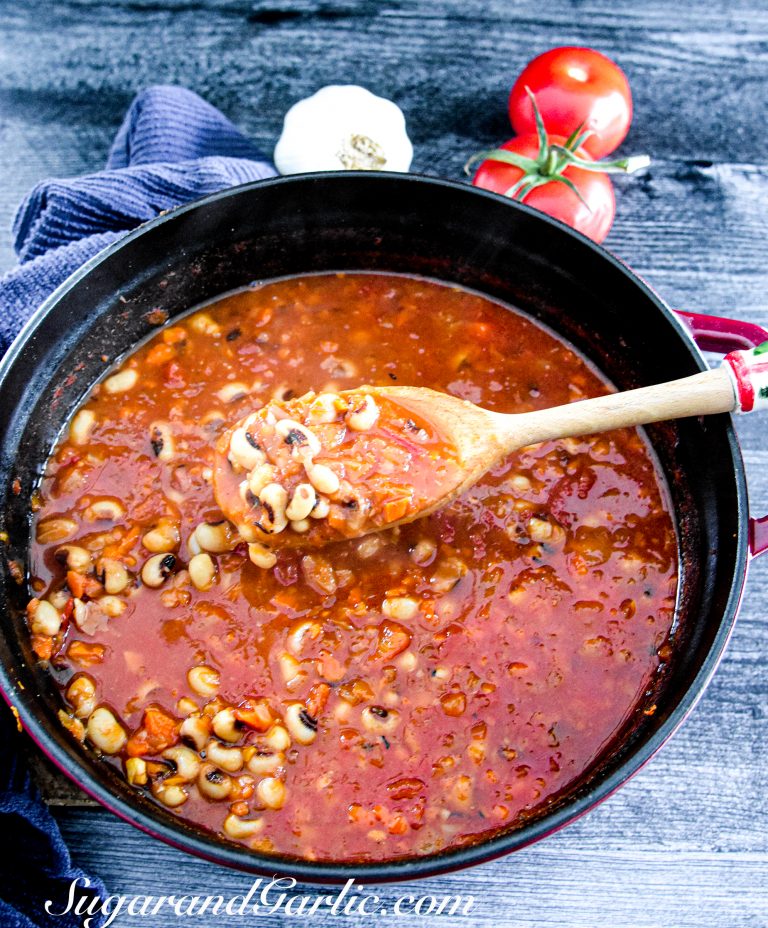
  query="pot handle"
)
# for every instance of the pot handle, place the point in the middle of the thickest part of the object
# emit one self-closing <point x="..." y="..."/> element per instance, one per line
<point x="717" y="333"/>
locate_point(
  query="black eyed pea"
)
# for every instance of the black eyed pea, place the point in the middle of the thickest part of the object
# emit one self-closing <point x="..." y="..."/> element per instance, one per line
<point x="79" y="614"/>
<point x="170" y="792"/>
<point x="235" y="827"/>
<point x="301" y="726"/>
<point x="226" y="757"/>
<point x="215" y="537"/>
<point x="301" y="526"/>
<point x="244" y="450"/>
<point x="59" y="598"/>
<point x="193" y="545"/>
<point x="75" y="558"/>
<point x="363" y="415"/>
<point x="81" y="695"/>
<point x="44" y="619"/>
<point x="298" y="436"/>
<point x="204" y="324"/>
<point x="50" y="531"/>
<point x="323" y="479"/>
<point x="271" y="792"/>
<point x="136" y="771"/>
<point x="164" y="537"/>
<point x="321" y="509"/>
<point x="539" y="530"/>
<point x="370" y="545"/>
<point x="202" y="571"/>
<point x="157" y="569"/>
<point x="274" y="500"/>
<point x="233" y="391"/>
<point x="122" y="381"/>
<point x="277" y="738"/>
<point x="263" y="763"/>
<point x="291" y="670"/>
<point x="106" y="509"/>
<point x="196" y="729"/>
<point x="423" y="552"/>
<point x="325" y="407"/>
<point x="407" y="661"/>
<point x="261" y="477"/>
<point x="186" y="706"/>
<point x="204" y="680"/>
<point x="112" y="606"/>
<point x="81" y="426"/>
<point x="162" y="441"/>
<point x="213" y="783"/>
<point x="105" y="732"/>
<point x="114" y="575"/>
<point x="447" y="574"/>
<point x="300" y="632"/>
<point x="185" y="760"/>
<point x="247" y="532"/>
<point x="379" y="720"/>
<point x="400" y="608"/>
<point x="226" y="726"/>
<point x="261" y="556"/>
<point x="302" y="502"/>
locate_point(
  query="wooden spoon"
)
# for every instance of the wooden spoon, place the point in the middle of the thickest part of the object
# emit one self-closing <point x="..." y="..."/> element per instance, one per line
<point x="464" y="441"/>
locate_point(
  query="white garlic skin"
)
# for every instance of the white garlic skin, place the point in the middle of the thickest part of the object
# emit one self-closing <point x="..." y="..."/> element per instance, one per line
<point x="324" y="132"/>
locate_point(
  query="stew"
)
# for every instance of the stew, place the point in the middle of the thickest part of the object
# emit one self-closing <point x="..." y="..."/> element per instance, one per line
<point x="397" y="694"/>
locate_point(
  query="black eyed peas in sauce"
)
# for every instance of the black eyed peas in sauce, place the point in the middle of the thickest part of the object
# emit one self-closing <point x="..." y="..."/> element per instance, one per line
<point x="404" y="692"/>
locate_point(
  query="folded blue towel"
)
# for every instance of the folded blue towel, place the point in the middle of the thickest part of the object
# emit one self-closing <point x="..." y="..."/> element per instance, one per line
<point x="171" y="148"/>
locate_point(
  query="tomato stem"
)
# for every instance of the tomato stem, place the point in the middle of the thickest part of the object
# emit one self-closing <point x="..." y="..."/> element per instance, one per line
<point x="554" y="159"/>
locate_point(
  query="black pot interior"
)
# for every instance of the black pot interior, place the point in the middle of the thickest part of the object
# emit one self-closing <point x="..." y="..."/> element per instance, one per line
<point x="402" y="224"/>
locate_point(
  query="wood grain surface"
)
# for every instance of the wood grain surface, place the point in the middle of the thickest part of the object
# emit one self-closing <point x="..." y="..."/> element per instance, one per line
<point x="685" y="844"/>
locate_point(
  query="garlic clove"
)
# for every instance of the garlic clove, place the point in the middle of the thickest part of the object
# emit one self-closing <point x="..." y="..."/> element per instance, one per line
<point x="343" y="127"/>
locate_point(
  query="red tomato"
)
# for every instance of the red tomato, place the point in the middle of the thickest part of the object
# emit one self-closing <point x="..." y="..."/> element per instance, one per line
<point x="594" y="217"/>
<point x="574" y="86"/>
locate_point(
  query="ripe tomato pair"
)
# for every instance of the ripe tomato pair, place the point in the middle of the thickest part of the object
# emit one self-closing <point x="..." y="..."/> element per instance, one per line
<point x="569" y="106"/>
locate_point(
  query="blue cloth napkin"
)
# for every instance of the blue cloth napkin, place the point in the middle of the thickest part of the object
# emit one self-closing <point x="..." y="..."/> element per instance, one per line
<point x="171" y="148"/>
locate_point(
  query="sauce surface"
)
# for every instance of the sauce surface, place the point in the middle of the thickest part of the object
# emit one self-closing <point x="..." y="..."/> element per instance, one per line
<point x="398" y="694"/>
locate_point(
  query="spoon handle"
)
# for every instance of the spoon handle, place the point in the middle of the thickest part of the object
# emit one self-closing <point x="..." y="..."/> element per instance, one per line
<point x="740" y="384"/>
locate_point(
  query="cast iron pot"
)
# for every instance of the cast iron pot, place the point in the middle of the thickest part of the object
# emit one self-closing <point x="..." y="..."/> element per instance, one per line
<point x="393" y="223"/>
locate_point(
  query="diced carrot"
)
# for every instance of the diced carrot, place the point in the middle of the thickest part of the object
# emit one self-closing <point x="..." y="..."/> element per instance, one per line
<point x="42" y="645"/>
<point x="398" y="825"/>
<point x="454" y="704"/>
<point x="160" y="354"/>
<point x="92" y="588"/>
<point x="159" y="723"/>
<point x="255" y="713"/>
<point x="395" y="509"/>
<point x="393" y="638"/>
<point x="121" y="547"/>
<point x="355" y="691"/>
<point x="317" y="699"/>
<point x="86" y="653"/>
<point x="174" y="335"/>
<point x="159" y="730"/>
<point x="331" y="668"/>
<point x="76" y="583"/>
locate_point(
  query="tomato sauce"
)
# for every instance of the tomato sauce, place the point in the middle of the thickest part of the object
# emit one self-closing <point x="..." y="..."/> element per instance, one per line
<point x="396" y="694"/>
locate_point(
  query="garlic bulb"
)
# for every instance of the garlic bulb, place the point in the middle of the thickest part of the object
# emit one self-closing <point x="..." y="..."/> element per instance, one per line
<point x="343" y="127"/>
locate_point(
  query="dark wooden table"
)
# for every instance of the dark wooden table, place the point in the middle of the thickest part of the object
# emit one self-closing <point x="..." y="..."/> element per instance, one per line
<point x="685" y="844"/>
